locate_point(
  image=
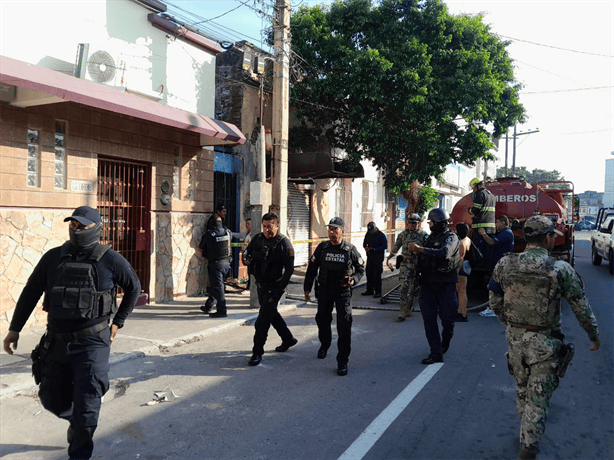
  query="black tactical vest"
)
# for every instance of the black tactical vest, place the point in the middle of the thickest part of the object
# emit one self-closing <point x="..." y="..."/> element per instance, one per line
<point x="436" y="264"/>
<point x="262" y="249"/>
<point x="335" y="264"/>
<point x="220" y="249"/>
<point x="74" y="294"/>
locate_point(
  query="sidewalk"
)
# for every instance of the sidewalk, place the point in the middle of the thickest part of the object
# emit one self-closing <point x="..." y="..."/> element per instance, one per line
<point x="151" y="328"/>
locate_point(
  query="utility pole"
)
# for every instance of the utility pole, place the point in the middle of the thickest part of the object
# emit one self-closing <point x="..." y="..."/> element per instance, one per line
<point x="281" y="107"/>
<point x="514" y="152"/>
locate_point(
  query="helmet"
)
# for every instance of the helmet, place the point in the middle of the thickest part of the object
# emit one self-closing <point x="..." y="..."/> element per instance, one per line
<point x="438" y="215"/>
<point x="475" y="181"/>
<point x="413" y="217"/>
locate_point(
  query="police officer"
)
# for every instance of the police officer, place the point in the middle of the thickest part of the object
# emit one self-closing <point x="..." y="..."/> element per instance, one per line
<point x="438" y="264"/>
<point x="525" y="294"/>
<point x="220" y="211"/>
<point x="215" y="247"/>
<point x="408" y="273"/>
<point x="338" y="266"/>
<point x="79" y="280"/>
<point x="375" y="245"/>
<point x="270" y="256"/>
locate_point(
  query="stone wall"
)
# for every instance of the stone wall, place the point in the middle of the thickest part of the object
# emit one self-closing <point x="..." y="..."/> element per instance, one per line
<point x="177" y="265"/>
<point x="24" y="237"/>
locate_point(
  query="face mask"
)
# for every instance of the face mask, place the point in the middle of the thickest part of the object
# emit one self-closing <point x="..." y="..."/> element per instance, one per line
<point x="85" y="239"/>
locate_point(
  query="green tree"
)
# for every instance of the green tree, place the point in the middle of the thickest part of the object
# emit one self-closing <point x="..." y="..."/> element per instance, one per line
<point x="402" y="83"/>
<point x="532" y="177"/>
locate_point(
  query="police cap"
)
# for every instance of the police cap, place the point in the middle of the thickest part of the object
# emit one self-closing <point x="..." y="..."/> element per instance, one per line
<point x="85" y="216"/>
<point x="336" y="222"/>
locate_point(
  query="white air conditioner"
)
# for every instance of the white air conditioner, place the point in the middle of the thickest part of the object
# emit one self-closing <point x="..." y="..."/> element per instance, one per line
<point x="100" y="65"/>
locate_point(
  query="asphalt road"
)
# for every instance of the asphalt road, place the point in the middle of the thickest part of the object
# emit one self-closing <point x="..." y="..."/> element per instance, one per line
<point x="294" y="406"/>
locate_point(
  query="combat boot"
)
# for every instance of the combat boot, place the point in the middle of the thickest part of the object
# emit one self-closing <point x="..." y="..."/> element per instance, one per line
<point x="527" y="453"/>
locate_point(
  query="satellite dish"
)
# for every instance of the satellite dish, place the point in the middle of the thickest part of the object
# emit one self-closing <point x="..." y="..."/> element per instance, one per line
<point x="101" y="67"/>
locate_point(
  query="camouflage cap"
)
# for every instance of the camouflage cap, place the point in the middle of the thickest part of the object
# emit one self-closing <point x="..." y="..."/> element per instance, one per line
<point x="539" y="225"/>
<point x="413" y="217"/>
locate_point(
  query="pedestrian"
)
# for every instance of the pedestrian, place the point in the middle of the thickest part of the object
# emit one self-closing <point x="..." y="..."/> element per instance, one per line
<point x="462" y="231"/>
<point x="409" y="266"/>
<point x="483" y="214"/>
<point x="338" y="266"/>
<point x="525" y="293"/>
<point x="215" y="247"/>
<point x="71" y="363"/>
<point x="501" y="243"/>
<point x="375" y="244"/>
<point x="438" y="264"/>
<point x="270" y="256"/>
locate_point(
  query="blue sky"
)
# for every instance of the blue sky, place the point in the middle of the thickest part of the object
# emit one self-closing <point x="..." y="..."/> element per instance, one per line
<point x="563" y="55"/>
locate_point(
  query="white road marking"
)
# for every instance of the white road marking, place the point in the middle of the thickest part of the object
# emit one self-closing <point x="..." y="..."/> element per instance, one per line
<point x="369" y="437"/>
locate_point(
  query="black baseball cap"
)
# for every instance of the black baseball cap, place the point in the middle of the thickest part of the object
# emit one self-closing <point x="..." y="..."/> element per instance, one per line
<point x="85" y="216"/>
<point x="220" y="207"/>
<point x="336" y="222"/>
<point x="371" y="226"/>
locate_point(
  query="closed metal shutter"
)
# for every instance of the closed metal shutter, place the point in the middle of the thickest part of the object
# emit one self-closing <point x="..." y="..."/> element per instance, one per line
<point x="299" y="222"/>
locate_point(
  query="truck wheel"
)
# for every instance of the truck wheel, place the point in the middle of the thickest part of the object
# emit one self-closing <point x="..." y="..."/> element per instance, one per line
<point x="596" y="257"/>
<point x="611" y="263"/>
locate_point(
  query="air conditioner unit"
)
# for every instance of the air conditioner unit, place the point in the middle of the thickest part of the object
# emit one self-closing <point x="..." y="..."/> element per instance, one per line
<point x="99" y="65"/>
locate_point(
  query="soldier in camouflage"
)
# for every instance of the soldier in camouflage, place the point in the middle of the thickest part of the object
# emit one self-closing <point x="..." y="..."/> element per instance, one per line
<point x="407" y="276"/>
<point x="525" y="294"/>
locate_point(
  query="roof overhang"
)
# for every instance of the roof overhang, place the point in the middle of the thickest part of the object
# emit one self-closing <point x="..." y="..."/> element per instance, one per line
<point x="52" y="87"/>
<point x="321" y="165"/>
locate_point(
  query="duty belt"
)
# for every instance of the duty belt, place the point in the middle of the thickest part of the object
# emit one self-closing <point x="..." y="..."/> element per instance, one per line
<point x="530" y="327"/>
<point x="71" y="336"/>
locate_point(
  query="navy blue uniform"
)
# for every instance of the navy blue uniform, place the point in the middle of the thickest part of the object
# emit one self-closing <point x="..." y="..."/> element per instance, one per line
<point x="438" y="266"/>
<point x="75" y="355"/>
<point x="272" y="264"/>
<point x="215" y="245"/>
<point x="377" y="244"/>
<point x="334" y="264"/>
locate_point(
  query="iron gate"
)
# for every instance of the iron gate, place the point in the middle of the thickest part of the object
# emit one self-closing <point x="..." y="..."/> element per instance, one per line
<point x="124" y="203"/>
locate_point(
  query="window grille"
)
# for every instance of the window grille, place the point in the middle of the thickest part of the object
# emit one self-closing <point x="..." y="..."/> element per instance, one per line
<point x="34" y="159"/>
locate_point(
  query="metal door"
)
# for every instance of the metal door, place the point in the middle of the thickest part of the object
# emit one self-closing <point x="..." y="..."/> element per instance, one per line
<point x="299" y="222"/>
<point x="124" y="202"/>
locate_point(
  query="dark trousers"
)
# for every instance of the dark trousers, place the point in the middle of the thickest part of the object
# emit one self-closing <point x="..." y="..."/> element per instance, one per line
<point x="75" y="376"/>
<point x="374" y="271"/>
<point x="218" y="271"/>
<point x="438" y="299"/>
<point x="268" y="316"/>
<point x="342" y="302"/>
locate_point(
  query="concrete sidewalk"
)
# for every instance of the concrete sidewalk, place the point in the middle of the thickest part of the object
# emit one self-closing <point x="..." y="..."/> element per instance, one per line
<point x="152" y="328"/>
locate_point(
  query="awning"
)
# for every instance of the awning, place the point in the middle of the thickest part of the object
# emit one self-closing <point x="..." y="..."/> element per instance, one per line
<point x="69" y="88"/>
<point x="321" y="165"/>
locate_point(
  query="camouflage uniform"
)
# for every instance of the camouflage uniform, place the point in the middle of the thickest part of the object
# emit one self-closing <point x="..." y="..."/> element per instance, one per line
<point x="525" y="293"/>
<point x="407" y="275"/>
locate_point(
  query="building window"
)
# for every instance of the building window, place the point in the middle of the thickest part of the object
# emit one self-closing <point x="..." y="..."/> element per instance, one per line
<point x="34" y="159"/>
<point x="191" y="179"/>
<point x="368" y="189"/>
<point x="177" y="176"/>
<point x="339" y="208"/>
<point x="60" y="155"/>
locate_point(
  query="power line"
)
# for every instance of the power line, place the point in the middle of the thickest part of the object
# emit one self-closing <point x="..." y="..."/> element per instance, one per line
<point x="568" y="90"/>
<point x="556" y="47"/>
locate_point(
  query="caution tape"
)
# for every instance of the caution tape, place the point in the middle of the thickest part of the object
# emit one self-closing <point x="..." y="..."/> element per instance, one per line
<point x="318" y="240"/>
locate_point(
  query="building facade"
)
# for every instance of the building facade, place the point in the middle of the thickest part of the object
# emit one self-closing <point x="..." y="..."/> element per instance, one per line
<point x="112" y="109"/>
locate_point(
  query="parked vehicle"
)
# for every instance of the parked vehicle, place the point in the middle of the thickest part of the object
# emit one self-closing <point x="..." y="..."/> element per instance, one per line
<point x="602" y="239"/>
<point x="585" y="225"/>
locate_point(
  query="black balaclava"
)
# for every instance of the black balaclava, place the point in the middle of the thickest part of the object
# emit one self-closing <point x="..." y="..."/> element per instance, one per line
<point x="439" y="227"/>
<point x="85" y="240"/>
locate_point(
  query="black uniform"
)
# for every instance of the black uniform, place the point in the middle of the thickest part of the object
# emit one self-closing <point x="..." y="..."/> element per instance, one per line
<point x="75" y="349"/>
<point x="333" y="265"/>
<point x="215" y="245"/>
<point x="377" y="244"/>
<point x="272" y="264"/>
<point x="438" y="266"/>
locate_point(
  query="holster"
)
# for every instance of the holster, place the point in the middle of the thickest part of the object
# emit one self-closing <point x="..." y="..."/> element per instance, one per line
<point x="38" y="356"/>
<point x="566" y="354"/>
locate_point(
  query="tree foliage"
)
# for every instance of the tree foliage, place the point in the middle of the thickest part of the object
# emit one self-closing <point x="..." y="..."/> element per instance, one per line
<point x="532" y="177"/>
<point x="402" y="83"/>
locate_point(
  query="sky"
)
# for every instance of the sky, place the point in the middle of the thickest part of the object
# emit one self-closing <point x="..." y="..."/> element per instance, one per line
<point x="563" y="53"/>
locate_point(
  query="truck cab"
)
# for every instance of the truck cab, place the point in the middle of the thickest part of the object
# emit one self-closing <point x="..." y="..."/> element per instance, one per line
<point x="602" y="239"/>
